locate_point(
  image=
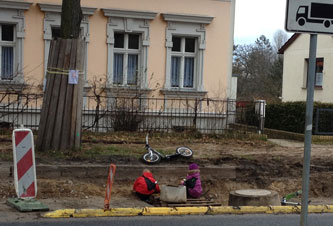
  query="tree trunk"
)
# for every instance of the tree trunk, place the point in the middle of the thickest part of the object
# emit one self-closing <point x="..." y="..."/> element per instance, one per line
<point x="71" y="17"/>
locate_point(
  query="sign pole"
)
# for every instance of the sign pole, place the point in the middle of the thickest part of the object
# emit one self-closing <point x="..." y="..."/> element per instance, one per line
<point x="308" y="129"/>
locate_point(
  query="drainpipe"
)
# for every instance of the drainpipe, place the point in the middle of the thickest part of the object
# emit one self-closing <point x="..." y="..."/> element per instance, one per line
<point x="231" y="47"/>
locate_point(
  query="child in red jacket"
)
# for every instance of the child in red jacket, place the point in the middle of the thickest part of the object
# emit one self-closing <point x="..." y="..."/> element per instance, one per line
<point x="145" y="185"/>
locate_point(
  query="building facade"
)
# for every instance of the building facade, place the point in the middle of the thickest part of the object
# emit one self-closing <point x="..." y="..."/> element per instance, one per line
<point x="159" y="48"/>
<point x="295" y="68"/>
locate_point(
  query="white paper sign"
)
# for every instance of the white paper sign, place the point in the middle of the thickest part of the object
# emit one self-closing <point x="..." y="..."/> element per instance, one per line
<point x="73" y="76"/>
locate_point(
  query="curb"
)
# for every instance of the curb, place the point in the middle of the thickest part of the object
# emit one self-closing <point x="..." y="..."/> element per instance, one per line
<point x="167" y="211"/>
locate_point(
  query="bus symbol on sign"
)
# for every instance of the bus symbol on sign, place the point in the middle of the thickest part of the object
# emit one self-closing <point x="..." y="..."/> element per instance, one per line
<point x="309" y="16"/>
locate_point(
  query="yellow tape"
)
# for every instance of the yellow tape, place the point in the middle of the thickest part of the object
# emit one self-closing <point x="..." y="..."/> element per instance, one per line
<point x="61" y="71"/>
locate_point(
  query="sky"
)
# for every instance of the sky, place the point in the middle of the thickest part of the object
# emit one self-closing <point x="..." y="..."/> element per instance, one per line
<point x="258" y="17"/>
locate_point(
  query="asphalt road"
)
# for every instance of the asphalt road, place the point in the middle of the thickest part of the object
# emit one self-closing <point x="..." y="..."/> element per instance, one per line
<point x="220" y="220"/>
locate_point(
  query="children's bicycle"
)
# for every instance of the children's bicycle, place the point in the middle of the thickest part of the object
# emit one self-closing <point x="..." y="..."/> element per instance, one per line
<point x="153" y="156"/>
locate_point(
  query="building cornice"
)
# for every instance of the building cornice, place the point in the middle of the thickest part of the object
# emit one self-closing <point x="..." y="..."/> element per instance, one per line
<point x="15" y="5"/>
<point x="146" y="15"/>
<point x="57" y="8"/>
<point x="200" y="19"/>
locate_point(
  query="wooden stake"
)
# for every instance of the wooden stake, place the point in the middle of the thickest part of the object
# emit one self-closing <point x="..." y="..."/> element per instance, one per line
<point x="65" y="136"/>
<point x="55" y="97"/>
<point x="62" y="95"/>
<point x="78" y="125"/>
<point x="52" y="62"/>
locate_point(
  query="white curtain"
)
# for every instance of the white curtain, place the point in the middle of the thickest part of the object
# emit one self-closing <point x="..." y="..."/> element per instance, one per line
<point x="319" y="79"/>
<point x="118" y="61"/>
<point x="132" y="69"/>
<point x="188" y="71"/>
<point x="175" y="66"/>
<point x="7" y="63"/>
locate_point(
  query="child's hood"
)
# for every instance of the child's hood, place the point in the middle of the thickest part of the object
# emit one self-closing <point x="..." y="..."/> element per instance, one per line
<point x="148" y="174"/>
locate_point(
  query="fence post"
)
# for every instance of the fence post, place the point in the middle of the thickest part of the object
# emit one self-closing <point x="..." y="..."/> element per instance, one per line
<point x="260" y="109"/>
<point x="231" y="111"/>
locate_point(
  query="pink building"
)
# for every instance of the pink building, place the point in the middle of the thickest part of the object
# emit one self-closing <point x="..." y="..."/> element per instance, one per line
<point x="162" y="48"/>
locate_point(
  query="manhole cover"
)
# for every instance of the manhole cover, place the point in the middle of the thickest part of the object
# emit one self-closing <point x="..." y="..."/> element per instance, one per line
<point x="253" y="192"/>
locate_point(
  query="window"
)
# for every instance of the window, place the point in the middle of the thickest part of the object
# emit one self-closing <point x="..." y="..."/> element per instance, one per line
<point x="318" y="74"/>
<point x="126" y="58"/>
<point x="301" y="10"/>
<point x="183" y="62"/>
<point x="127" y="46"/>
<point x="7" y="50"/>
<point x="185" y="45"/>
<point x="55" y="32"/>
<point x="12" y="35"/>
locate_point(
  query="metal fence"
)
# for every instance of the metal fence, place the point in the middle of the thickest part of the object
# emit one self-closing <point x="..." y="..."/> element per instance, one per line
<point x="104" y="114"/>
<point x="20" y="109"/>
<point x="158" y="114"/>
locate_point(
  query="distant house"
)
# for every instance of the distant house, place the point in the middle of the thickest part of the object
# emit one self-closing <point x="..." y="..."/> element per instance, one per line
<point x="295" y="68"/>
<point x="174" y="48"/>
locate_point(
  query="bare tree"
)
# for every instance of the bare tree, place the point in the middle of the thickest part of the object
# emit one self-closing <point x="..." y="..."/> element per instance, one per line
<point x="259" y="70"/>
<point x="98" y="86"/>
<point x="280" y="38"/>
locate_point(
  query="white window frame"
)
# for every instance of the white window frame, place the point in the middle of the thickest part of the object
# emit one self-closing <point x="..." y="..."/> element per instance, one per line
<point x="184" y="25"/>
<point x="129" y="22"/>
<point x="317" y="84"/>
<point x="126" y="51"/>
<point x="12" y="12"/>
<point x="7" y="44"/>
<point x="182" y="54"/>
<point x="52" y="18"/>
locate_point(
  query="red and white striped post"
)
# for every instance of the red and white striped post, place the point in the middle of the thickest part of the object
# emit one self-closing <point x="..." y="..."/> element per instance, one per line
<point x="24" y="164"/>
<point x="112" y="171"/>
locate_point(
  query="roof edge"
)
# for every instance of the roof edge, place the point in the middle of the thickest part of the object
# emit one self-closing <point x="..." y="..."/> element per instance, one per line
<point x="288" y="43"/>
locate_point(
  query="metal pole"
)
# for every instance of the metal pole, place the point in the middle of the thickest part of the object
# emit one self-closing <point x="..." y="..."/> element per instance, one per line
<point x="308" y="129"/>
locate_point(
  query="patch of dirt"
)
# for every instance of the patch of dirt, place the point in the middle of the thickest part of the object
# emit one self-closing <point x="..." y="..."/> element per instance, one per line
<point x="260" y="164"/>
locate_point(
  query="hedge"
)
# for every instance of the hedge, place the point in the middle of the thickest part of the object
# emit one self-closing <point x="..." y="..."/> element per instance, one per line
<point x="290" y="116"/>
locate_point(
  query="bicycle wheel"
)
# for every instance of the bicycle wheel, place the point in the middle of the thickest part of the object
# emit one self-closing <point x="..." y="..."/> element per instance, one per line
<point x="151" y="158"/>
<point x="185" y="152"/>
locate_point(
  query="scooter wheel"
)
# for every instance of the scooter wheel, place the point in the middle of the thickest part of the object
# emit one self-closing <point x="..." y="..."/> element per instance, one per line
<point x="151" y="158"/>
<point x="185" y="152"/>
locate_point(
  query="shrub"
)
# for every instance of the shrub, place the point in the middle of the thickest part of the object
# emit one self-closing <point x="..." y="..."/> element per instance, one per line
<point x="290" y="116"/>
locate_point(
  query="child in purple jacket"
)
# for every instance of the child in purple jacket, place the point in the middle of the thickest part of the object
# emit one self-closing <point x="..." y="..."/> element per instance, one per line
<point x="193" y="182"/>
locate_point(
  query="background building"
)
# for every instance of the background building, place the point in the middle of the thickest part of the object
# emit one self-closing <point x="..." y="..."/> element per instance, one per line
<point x="295" y="68"/>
